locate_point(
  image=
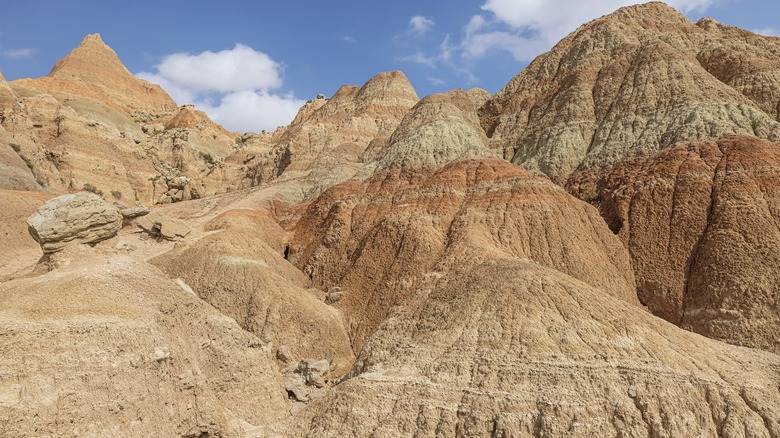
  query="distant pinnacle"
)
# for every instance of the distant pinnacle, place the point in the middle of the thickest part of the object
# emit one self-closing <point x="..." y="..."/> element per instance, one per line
<point x="90" y="56"/>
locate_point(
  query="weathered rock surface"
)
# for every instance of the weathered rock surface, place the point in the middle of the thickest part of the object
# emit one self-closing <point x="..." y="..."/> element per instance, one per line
<point x="91" y="123"/>
<point x="17" y="249"/>
<point x="111" y="346"/>
<point x="381" y="238"/>
<point x="160" y="226"/>
<point x="93" y="70"/>
<point x="77" y="218"/>
<point x="511" y="348"/>
<point x="325" y="144"/>
<point x="441" y="128"/>
<point x="700" y="221"/>
<point x="242" y="273"/>
<point x="632" y="83"/>
<point x="303" y="381"/>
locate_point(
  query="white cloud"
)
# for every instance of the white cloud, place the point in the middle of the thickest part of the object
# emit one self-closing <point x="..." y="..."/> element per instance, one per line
<point x="240" y="68"/>
<point x="348" y="39"/>
<point x="243" y="111"/>
<point x="19" y="53"/>
<point x="420" y="25"/>
<point x="542" y="23"/>
<point x="232" y="86"/>
<point x="767" y="31"/>
<point x="524" y="28"/>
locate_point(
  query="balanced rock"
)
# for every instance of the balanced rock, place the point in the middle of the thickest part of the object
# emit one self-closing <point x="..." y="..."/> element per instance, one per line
<point x="80" y="218"/>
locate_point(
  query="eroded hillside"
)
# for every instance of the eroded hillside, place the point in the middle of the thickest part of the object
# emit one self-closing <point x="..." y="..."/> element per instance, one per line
<point x="592" y="251"/>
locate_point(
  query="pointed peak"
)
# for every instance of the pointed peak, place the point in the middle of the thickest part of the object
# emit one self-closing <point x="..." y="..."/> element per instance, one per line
<point x="92" y="39"/>
<point x="90" y="57"/>
<point x="2" y="78"/>
<point x="96" y="66"/>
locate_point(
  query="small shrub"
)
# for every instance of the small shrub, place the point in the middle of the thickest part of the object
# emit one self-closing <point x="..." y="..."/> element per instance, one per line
<point x="590" y="195"/>
<point x="208" y="157"/>
<point x="116" y="194"/>
<point x="28" y="163"/>
<point x="92" y="189"/>
<point x="16" y="147"/>
<point x="333" y="295"/>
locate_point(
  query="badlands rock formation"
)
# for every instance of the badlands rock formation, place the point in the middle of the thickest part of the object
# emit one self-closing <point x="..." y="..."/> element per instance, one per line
<point x="379" y="239"/>
<point x="243" y="274"/>
<point x="511" y="348"/>
<point x="111" y="346"/>
<point x="441" y="128"/>
<point x="701" y="223"/>
<point x="326" y="144"/>
<point x="93" y="73"/>
<point x="633" y="83"/>
<point x="377" y="269"/>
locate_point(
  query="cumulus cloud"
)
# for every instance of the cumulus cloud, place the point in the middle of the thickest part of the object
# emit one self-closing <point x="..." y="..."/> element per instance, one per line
<point x="420" y="25"/>
<point x="240" y="110"/>
<point x="234" y="87"/>
<point x="541" y="24"/>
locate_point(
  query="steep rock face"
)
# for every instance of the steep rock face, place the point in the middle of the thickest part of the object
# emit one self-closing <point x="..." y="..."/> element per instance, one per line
<point x="15" y="172"/>
<point x="188" y="150"/>
<point x="379" y="239"/>
<point x="630" y="84"/>
<point x="110" y="346"/>
<point x="93" y="70"/>
<point x="441" y="128"/>
<point x="701" y="223"/>
<point x="17" y="249"/>
<point x="326" y="144"/>
<point x="67" y="152"/>
<point x="511" y="348"/>
<point x="747" y="62"/>
<point x="243" y="274"/>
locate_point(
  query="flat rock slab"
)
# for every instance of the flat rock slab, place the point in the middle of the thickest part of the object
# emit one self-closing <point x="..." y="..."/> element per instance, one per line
<point x="163" y="227"/>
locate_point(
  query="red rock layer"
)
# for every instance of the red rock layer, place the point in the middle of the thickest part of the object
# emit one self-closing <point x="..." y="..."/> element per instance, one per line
<point x="379" y="239"/>
<point x="701" y="223"/>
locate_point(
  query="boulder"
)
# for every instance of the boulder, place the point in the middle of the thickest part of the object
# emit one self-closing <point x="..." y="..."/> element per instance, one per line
<point x="303" y="381"/>
<point x="75" y="218"/>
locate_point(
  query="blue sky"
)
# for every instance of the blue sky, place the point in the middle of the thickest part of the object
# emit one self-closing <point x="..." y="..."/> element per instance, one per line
<point x="251" y="64"/>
